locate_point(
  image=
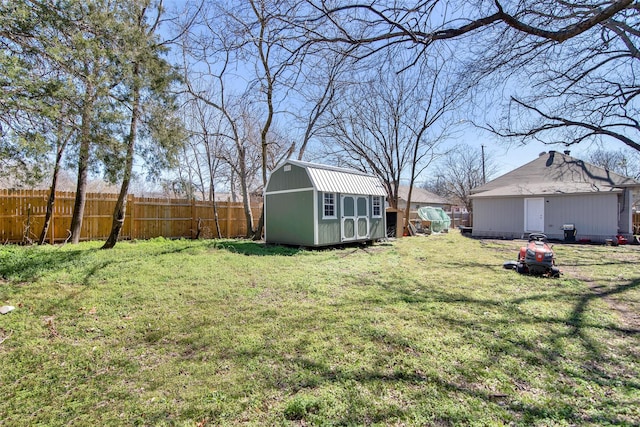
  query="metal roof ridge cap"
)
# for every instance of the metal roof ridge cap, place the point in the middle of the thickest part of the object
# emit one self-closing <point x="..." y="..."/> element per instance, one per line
<point x="304" y="164"/>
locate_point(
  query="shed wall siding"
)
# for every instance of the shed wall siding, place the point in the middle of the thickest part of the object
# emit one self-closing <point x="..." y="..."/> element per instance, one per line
<point x="290" y="218"/>
<point x="328" y="229"/>
<point x="377" y="229"/>
<point x="329" y="232"/>
<point x="296" y="178"/>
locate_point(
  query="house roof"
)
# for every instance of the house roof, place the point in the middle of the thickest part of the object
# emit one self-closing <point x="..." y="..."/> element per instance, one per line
<point x="421" y="196"/>
<point x="554" y="173"/>
<point x="331" y="179"/>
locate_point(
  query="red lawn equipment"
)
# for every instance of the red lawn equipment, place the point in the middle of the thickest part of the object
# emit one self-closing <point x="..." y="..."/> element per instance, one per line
<point x="537" y="258"/>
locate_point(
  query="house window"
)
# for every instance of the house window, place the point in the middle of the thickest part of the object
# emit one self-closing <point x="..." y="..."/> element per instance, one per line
<point x="377" y="207"/>
<point x="329" y="205"/>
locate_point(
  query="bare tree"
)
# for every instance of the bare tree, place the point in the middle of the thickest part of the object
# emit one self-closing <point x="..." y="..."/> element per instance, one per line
<point x="460" y="171"/>
<point x="203" y="152"/>
<point x="382" y="24"/>
<point x="268" y="39"/>
<point x="622" y="162"/>
<point x="571" y="67"/>
<point x="582" y="90"/>
<point x="244" y="49"/>
<point x="324" y="77"/>
<point x="392" y="125"/>
<point x="206" y="66"/>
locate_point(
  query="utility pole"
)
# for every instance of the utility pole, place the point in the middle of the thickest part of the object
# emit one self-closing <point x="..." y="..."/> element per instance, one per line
<point x="484" y="177"/>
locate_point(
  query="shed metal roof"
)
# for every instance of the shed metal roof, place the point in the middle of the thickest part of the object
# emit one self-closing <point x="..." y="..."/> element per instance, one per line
<point x="331" y="179"/>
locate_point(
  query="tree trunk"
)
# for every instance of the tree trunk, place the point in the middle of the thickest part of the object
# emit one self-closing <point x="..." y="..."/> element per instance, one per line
<point x="258" y="234"/>
<point x="83" y="166"/>
<point x="120" y="210"/>
<point x="259" y="230"/>
<point x="52" y="197"/>
<point x="246" y="200"/>
<point x="234" y="196"/>
<point x="265" y="153"/>
<point x="62" y="143"/>
<point x="212" y="195"/>
<point x="414" y="161"/>
<point x="407" y="210"/>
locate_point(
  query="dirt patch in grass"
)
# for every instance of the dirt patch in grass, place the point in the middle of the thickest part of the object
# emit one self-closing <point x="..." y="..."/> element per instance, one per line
<point x="628" y="311"/>
<point x="628" y="315"/>
<point x="608" y="288"/>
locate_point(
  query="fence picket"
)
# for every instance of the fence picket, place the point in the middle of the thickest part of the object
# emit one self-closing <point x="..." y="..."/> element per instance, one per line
<point x="146" y="217"/>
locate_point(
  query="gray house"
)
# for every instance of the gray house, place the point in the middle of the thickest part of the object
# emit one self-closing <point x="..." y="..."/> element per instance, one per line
<point x="551" y="195"/>
<point x="309" y="204"/>
<point x="421" y="198"/>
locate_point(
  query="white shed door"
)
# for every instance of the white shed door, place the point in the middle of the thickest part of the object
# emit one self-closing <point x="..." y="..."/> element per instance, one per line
<point x="355" y="218"/>
<point x="534" y="215"/>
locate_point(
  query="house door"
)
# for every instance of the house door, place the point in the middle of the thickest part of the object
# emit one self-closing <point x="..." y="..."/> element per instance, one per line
<point x="355" y="217"/>
<point x="534" y="215"/>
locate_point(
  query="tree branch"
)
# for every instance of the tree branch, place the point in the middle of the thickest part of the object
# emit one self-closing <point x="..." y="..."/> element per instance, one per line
<point x="558" y="122"/>
<point x="567" y="32"/>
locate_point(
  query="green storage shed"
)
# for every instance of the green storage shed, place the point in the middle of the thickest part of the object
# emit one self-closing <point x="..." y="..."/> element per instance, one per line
<point x="310" y="204"/>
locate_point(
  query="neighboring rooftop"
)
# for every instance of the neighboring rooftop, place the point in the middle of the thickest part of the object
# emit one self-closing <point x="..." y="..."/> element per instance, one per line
<point x="554" y="173"/>
<point x="421" y="196"/>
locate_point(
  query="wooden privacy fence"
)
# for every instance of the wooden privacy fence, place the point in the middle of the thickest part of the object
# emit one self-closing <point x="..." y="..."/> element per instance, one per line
<point x="22" y="214"/>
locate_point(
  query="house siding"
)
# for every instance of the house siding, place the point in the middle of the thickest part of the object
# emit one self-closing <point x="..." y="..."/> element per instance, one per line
<point x="594" y="216"/>
<point x="499" y="217"/>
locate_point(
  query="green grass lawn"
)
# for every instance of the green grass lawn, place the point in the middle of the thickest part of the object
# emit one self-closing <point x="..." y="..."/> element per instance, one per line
<point x="421" y="331"/>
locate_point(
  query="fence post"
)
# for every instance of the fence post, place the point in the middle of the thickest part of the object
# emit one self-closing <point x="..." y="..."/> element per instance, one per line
<point x="52" y="222"/>
<point x="131" y="209"/>
<point x="193" y="218"/>
<point x="228" y="218"/>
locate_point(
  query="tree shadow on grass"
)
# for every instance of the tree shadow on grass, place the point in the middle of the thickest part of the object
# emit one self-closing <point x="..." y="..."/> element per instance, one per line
<point x="564" y="351"/>
<point x="253" y="248"/>
<point x="553" y="350"/>
<point x="552" y="373"/>
<point x="30" y="264"/>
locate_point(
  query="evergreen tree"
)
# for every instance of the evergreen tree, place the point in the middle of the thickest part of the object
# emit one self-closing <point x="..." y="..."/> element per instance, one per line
<point x="146" y="95"/>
